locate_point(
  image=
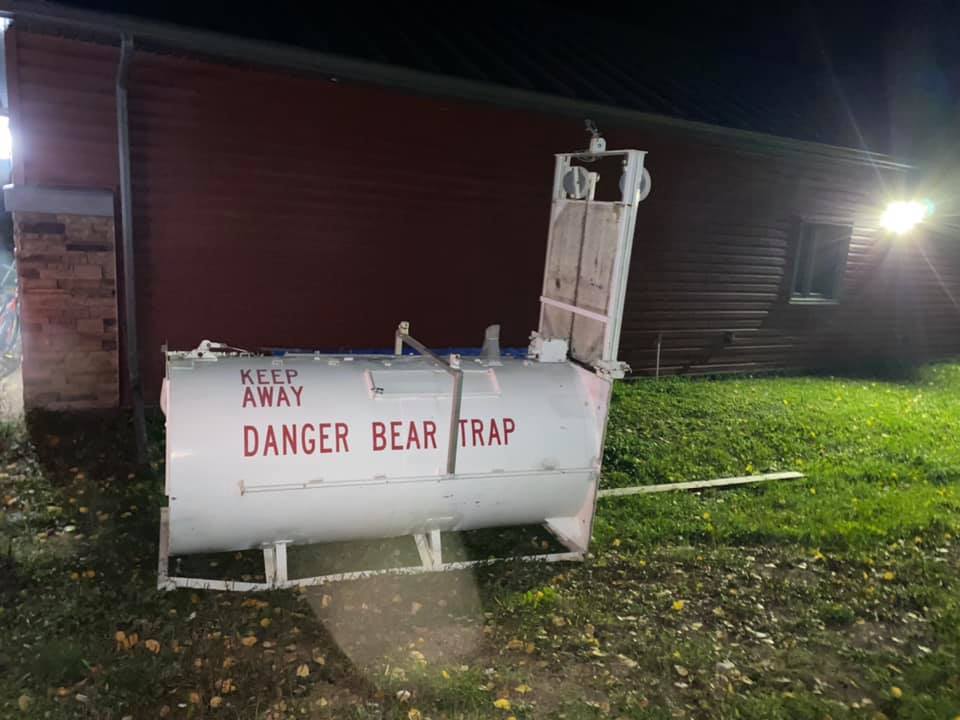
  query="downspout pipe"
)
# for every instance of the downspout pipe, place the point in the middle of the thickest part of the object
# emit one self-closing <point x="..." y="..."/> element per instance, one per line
<point x="126" y="227"/>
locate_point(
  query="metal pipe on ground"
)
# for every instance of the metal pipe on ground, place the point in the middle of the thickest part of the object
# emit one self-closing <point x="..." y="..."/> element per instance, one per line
<point x="699" y="484"/>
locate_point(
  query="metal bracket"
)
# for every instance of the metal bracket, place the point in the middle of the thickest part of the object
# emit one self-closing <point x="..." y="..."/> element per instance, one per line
<point x="207" y="350"/>
<point x="547" y="350"/>
<point x="403" y="329"/>
<point x="401" y="338"/>
<point x="615" y="370"/>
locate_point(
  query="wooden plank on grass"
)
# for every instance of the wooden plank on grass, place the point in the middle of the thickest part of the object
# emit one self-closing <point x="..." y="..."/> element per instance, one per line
<point x="700" y="484"/>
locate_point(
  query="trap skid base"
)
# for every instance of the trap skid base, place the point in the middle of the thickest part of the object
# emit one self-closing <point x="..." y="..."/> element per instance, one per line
<point x="275" y="565"/>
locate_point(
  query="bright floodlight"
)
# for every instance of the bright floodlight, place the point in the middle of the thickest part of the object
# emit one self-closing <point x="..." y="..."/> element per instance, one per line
<point x="902" y="216"/>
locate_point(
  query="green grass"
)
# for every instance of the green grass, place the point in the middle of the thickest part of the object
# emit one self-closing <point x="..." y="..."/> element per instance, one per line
<point x="833" y="596"/>
<point x="882" y="459"/>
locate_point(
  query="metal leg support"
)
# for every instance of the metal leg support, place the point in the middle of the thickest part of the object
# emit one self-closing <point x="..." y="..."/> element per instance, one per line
<point x="275" y="564"/>
<point x="275" y="567"/>
<point x="163" y="565"/>
<point x="428" y="545"/>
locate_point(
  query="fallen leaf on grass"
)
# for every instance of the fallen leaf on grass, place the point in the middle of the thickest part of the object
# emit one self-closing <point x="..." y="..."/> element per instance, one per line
<point x="216" y="701"/>
<point x="229" y="662"/>
<point x="124" y="641"/>
<point x="194" y="698"/>
<point x="896" y="692"/>
<point x="523" y="689"/>
<point x="414" y="714"/>
<point x="889" y="576"/>
<point x="502" y="704"/>
<point x="249" y="641"/>
<point x="515" y="644"/>
<point x="228" y="686"/>
<point x="418" y="657"/>
<point x="23" y="702"/>
<point x="153" y="646"/>
<point x="678" y="605"/>
<point x="266" y="622"/>
<point x="303" y="671"/>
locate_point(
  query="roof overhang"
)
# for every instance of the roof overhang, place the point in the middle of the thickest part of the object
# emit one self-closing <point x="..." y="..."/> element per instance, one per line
<point x="147" y="33"/>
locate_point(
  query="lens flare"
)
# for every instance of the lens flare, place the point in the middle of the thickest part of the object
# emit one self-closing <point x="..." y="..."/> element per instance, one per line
<point x="902" y="216"/>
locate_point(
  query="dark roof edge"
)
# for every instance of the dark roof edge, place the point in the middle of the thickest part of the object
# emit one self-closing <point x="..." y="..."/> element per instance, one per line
<point x="236" y="48"/>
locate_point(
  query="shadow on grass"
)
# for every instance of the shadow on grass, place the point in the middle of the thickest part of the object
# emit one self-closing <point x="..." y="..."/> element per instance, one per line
<point x="87" y="568"/>
<point x="880" y="369"/>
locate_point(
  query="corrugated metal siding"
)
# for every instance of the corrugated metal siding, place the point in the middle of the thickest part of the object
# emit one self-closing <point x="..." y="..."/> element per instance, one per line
<point x="280" y="210"/>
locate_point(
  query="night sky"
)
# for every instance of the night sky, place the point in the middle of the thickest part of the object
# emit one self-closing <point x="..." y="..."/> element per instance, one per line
<point x="884" y="76"/>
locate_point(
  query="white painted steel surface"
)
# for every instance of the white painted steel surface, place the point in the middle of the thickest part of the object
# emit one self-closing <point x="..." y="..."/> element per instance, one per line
<point x="267" y="452"/>
<point x="305" y="449"/>
<point x="588" y="255"/>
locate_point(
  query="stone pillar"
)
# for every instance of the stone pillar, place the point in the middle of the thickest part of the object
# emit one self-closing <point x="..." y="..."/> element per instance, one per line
<point x="67" y="268"/>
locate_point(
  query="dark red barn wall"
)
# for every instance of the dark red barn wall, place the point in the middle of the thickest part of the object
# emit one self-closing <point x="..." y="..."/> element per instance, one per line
<point x="275" y="209"/>
<point x="713" y="265"/>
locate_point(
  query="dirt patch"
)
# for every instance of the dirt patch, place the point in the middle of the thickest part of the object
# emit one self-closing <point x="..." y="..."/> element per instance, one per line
<point x="438" y="617"/>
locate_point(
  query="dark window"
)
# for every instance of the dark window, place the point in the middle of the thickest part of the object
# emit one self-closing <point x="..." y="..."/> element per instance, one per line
<point x="820" y="262"/>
